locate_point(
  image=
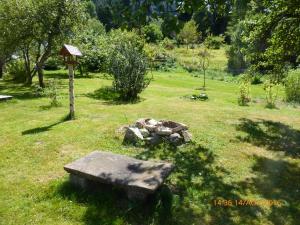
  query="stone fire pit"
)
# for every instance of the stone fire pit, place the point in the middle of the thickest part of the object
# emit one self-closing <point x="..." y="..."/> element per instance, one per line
<point x="152" y="132"/>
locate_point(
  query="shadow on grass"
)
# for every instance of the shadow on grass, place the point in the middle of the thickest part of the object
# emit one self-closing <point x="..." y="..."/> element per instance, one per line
<point x="187" y="198"/>
<point x="277" y="180"/>
<point x="110" y="96"/>
<point x="45" y="128"/>
<point x="17" y="90"/>
<point x="274" y="136"/>
<point x="108" y="205"/>
<point x="196" y="182"/>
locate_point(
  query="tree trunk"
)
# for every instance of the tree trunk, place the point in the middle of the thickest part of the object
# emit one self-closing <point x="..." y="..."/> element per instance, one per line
<point x="1" y="68"/>
<point x="41" y="76"/>
<point x="204" y="81"/>
<point x="26" y="57"/>
<point x="71" y="92"/>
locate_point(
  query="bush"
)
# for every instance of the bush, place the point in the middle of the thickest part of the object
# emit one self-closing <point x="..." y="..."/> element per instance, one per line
<point x="292" y="86"/>
<point x="271" y="90"/>
<point x="128" y="65"/>
<point x="256" y="79"/>
<point x="214" y="42"/>
<point x="152" y="33"/>
<point x="190" y="66"/>
<point x="168" y="44"/>
<point x="94" y="46"/>
<point x="16" y="70"/>
<point x="53" y="63"/>
<point x="159" y="58"/>
<point x="244" y="87"/>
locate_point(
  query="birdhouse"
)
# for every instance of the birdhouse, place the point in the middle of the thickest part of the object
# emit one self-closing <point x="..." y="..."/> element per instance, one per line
<point x="70" y="54"/>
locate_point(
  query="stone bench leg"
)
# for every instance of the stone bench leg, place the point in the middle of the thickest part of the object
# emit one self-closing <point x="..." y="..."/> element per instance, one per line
<point x="135" y="194"/>
<point x="78" y="181"/>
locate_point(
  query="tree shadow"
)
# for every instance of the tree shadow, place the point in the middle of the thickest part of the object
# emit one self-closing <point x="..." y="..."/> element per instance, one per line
<point x="187" y="198"/>
<point x="274" y="136"/>
<point x="17" y="90"/>
<point x="277" y="180"/>
<point x="110" y="96"/>
<point x="108" y="205"/>
<point x="195" y="183"/>
<point x="45" y="128"/>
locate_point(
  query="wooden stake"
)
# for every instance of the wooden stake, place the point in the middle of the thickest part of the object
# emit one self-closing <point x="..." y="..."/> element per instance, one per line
<point x="71" y="92"/>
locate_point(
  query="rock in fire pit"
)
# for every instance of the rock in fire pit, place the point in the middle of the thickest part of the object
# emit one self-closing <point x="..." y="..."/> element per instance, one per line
<point x="153" y="132"/>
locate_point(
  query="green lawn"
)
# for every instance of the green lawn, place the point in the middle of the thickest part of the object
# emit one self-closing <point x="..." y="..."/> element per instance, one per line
<point x="249" y="153"/>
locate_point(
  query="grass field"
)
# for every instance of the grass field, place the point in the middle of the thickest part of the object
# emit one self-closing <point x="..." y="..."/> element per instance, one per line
<point x="248" y="153"/>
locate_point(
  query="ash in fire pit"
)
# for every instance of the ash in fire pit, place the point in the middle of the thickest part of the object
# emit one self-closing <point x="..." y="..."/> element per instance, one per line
<point x="153" y="132"/>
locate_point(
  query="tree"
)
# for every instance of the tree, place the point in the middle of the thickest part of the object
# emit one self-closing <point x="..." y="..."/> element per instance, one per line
<point x="41" y="27"/>
<point x="55" y="21"/>
<point x="93" y="43"/>
<point x="204" y="57"/>
<point x="13" y="25"/>
<point x="189" y="34"/>
<point x="272" y="36"/>
<point x="152" y="32"/>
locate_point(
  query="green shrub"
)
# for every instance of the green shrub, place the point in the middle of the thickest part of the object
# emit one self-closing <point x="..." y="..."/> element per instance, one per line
<point x="159" y="58"/>
<point x="94" y="45"/>
<point x="128" y="65"/>
<point x="244" y="88"/>
<point x="214" y="42"/>
<point x="52" y="92"/>
<point x="256" y="79"/>
<point x="190" y="66"/>
<point x="95" y="54"/>
<point x="168" y="44"/>
<point x="292" y="86"/>
<point x="16" y="71"/>
<point x="53" y="63"/>
<point x="152" y="33"/>
<point x="271" y="90"/>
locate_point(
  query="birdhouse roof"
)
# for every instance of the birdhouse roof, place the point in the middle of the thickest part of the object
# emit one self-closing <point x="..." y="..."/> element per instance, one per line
<point x="68" y="50"/>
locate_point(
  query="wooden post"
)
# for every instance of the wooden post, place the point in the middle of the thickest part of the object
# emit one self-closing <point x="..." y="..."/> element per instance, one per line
<point x="70" y="54"/>
<point x="71" y="92"/>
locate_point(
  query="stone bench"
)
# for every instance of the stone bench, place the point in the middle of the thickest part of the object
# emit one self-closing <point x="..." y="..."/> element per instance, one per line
<point x="5" y="97"/>
<point x="139" y="178"/>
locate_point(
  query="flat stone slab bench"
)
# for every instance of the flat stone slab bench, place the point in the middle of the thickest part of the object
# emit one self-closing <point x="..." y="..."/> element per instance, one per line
<point x="139" y="178"/>
<point x="5" y="97"/>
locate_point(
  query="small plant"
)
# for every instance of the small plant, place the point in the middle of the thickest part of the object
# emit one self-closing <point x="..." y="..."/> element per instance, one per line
<point x="16" y="71"/>
<point x="292" y="86"/>
<point x="52" y="92"/>
<point x="256" y="79"/>
<point x="244" y="87"/>
<point x="202" y="97"/>
<point x="38" y="91"/>
<point x="204" y="57"/>
<point x="271" y="90"/>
